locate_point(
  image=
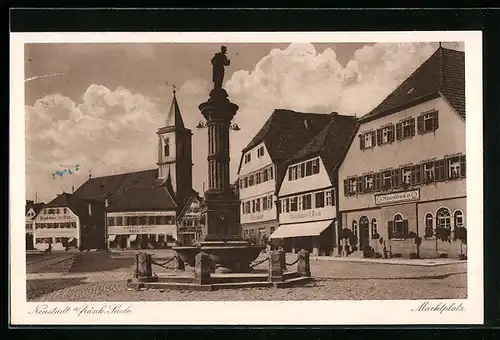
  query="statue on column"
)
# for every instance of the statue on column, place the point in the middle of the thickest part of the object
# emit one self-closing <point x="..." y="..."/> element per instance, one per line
<point x="219" y="61"/>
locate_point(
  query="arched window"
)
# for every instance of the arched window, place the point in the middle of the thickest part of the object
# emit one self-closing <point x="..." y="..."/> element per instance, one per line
<point x="458" y="219"/>
<point x="398" y="226"/>
<point x="443" y="218"/>
<point x="374" y="227"/>
<point x="355" y="228"/>
<point x="363" y="220"/>
<point x="429" y="221"/>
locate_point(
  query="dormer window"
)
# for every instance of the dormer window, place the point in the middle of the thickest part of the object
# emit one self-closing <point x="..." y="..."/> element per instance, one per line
<point x="248" y="158"/>
<point x="166" y="147"/>
<point x="260" y="152"/>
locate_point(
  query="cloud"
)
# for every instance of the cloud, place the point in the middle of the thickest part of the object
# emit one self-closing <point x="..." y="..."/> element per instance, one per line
<point x="111" y="131"/>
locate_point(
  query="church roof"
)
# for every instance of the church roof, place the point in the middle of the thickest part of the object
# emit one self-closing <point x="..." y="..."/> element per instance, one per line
<point x="144" y="199"/>
<point x="443" y="74"/>
<point x="330" y="144"/>
<point x="174" y="118"/>
<point x="287" y="131"/>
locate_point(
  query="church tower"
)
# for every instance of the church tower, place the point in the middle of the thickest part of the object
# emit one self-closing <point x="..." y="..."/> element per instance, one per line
<point x="175" y="155"/>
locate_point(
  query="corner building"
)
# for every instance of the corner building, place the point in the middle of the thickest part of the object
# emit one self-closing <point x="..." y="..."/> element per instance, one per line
<point x="405" y="168"/>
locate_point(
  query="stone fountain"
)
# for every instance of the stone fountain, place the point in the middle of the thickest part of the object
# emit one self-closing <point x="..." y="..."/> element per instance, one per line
<point x="221" y="236"/>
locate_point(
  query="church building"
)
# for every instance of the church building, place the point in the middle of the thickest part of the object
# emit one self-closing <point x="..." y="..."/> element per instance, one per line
<point x="142" y="207"/>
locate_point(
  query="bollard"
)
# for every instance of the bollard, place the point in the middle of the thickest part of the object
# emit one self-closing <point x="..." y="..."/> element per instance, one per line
<point x="203" y="263"/>
<point x="180" y="263"/>
<point x="275" y="266"/>
<point x="303" y="264"/>
<point x="282" y="256"/>
<point x="143" y="267"/>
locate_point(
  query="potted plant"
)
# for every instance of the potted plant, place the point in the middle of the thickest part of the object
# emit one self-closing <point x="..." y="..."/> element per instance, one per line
<point x="376" y="236"/>
<point x="444" y="235"/>
<point x="412" y="236"/>
<point x="460" y="234"/>
<point x="344" y="235"/>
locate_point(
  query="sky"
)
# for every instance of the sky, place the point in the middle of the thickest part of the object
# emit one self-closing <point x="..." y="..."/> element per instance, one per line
<point x="99" y="105"/>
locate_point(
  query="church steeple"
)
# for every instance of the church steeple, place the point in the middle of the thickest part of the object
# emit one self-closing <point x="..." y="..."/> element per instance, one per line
<point x="174" y="118"/>
<point x="175" y="154"/>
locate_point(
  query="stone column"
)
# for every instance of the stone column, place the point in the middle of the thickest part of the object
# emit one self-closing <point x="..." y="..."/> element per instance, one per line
<point x="143" y="268"/>
<point x="303" y="265"/>
<point x="203" y="263"/>
<point x="275" y="266"/>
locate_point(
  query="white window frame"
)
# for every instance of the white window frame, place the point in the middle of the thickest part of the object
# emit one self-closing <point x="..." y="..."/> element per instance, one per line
<point x="368" y="140"/>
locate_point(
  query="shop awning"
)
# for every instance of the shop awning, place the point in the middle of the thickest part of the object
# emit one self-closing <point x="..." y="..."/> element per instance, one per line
<point x="71" y="239"/>
<point x="301" y="229"/>
<point x="111" y="238"/>
<point x="132" y="238"/>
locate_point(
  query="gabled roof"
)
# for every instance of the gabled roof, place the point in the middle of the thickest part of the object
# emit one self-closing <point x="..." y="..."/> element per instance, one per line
<point x="37" y="207"/>
<point x="286" y="132"/>
<point x="174" y="118"/>
<point x="78" y="205"/>
<point x="192" y="199"/>
<point x="331" y="143"/>
<point x="108" y="186"/>
<point x="443" y="74"/>
<point x="144" y="199"/>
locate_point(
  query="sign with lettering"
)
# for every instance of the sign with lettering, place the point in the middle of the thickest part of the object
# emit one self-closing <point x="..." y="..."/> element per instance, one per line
<point x="141" y="229"/>
<point x="305" y="214"/>
<point x="256" y="217"/>
<point x="405" y="196"/>
<point x="55" y="218"/>
<point x="141" y="213"/>
<point x="57" y="232"/>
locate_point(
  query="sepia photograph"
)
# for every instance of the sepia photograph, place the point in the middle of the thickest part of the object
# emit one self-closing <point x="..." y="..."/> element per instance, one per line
<point x="231" y="171"/>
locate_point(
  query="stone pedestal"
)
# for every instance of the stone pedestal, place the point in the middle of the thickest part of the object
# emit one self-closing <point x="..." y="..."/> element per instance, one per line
<point x="143" y="265"/>
<point x="275" y="266"/>
<point x="303" y="265"/>
<point x="203" y="264"/>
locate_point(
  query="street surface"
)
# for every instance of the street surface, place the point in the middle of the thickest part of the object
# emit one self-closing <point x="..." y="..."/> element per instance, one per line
<point x="102" y="277"/>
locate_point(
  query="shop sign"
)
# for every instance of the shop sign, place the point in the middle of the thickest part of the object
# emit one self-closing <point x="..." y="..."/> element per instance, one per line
<point x="57" y="232"/>
<point x="397" y="197"/>
<point x="256" y="217"/>
<point x="305" y="214"/>
<point x="58" y="218"/>
<point x="141" y="229"/>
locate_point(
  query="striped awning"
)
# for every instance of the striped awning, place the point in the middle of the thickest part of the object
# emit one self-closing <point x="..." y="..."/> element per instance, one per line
<point x="132" y="238"/>
<point x="301" y="229"/>
<point x="71" y="239"/>
<point x="111" y="238"/>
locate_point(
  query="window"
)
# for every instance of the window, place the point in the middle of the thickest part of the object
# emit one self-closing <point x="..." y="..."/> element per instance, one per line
<point x="315" y="166"/>
<point x="271" y="172"/>
<point x="264" y="203"/>
<point x="408" y="128"/>
<point x="166" y="147"/>
<point x="385" y="135"/>
<point x="65" y="211"/>
<point x="355" y="228"/>
<point x="406" y="174"/>
<point x="293" y="175"/>
<point x="309" y="168"/>
<point x="269" y="202"/>
<point x="458" y="219"/>
<point x="241" y="182"/>
<point x="386" y="180"/>
<point x="257" y="205"/>
<point x="143" y="220"/>
<point x="111" y="221"/>
<point x="257" y="178"/>
<point x="284" y="205"/>
<point x="443" y="218"/>
<point x="352" y="186"/>
<point x="429" y="221"/>
<point x="416" y="174"/>
<point x="329" y="197"/>
<point x="248" y="158"/>
<point x="368" y="140"/>
<point x="245" y="182"/>
<point x="368" y="183"/>
<point x="440" y="171"/>
<point x="293" y="203"/>
<point x="300" y="200"/>
<point x="400" y="229"/>
<point x="377" y="181"/>
<point x="319" y="199"/>
<point x="247" y="207"/>
<point x="429" y="172"/>
<point x="250" y="181"/>
<point x="456" y="167"/>
<point x="265" y="176"/>
<point x="396" y="178"/>
<point x="428" y="122"/>
<point x="260" y="152"/>
<point x="307" y="201"/>
<point x="374" y="227"/>
<point x="300" y="174"/>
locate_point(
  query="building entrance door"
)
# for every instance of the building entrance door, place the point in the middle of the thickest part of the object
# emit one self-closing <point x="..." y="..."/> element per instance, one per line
<point x="364" y="233"/>
<point x="144" y="241"/>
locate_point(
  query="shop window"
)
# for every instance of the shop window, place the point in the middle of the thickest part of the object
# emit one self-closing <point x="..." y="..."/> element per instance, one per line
<point x="355" y="228"/>
<point x="307" y="201"/>
<point x="429" y="172"/>
<point x="443" y="218"/>
<point x="458" y="219"/>
<point x="386" y="180"/>
<point x="374" y="227"/>
<point x="428" y="122"/>
<point x="368" y="183"/>
<point x="293" y="204"/>
<point x="319" y="199"/>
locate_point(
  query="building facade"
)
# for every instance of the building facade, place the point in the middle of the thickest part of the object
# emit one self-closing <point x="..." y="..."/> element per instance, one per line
<point x="403" y="177"/>
<point x="190" y="223"/>
<point x="68" y="222"/>
<point x="307" y="196"/>
<point x="263" y="165"/>
<point x="32" y="210"/>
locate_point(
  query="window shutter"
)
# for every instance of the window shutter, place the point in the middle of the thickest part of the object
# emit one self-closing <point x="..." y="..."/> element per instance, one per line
<point x="376" y="181"/>
<point x="412" y="127"/>
<point x="379" y="136"/>
<point x="399" y="131"/>
<point x="420" y="124"/>
<point x="346" y="187"/>
<point x="359" y="185"/>
<point x="390" y="229"/>
<point x="361" y="142"/>
<point x="396" y="178"/>
<point x="373" y="139"/>
<point x="462" y="166"/>
<point x="391" y="134"/>
<point x="436" y="120"/>
<point x="437" y="171"/>
<point x="444" y="169"/>
<point x="405" y="228"/>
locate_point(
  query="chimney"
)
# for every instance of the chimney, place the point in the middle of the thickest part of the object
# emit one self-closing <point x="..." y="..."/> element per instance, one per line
<point x="90" y="209"/>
